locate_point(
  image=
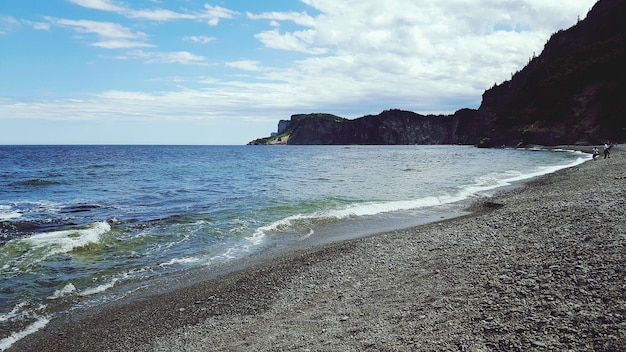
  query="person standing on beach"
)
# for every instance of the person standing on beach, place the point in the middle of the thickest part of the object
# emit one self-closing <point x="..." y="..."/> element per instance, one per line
<point x="595" y="153"/>
<point x="607" y="150"/>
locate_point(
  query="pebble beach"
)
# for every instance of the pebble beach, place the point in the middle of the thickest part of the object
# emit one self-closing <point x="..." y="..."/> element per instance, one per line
<point x="540" y="267"/>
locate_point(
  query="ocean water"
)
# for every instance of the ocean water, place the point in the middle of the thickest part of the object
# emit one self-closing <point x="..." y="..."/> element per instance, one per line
<point x="85" y="225"/>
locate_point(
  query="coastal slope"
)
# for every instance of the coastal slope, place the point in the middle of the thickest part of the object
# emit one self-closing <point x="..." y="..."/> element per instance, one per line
<point x="541" y="267"/>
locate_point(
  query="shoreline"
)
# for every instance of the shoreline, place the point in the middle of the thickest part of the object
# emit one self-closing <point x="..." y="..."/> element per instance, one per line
<point x="542" y="266"/>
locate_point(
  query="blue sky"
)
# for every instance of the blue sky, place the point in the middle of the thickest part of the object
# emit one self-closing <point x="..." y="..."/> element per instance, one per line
<point x="225" y="72"/>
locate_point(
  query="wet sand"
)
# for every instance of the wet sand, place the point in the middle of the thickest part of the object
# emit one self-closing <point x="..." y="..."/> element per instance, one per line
<point x="540" y="267"/>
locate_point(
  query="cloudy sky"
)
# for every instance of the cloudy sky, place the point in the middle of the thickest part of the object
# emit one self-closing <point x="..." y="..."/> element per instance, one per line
<point x="225" y="72"/>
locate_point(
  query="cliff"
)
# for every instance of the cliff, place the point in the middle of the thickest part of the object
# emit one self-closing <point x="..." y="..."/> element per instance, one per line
<point x="572" y="93"/>
<point x="388" y="127"/>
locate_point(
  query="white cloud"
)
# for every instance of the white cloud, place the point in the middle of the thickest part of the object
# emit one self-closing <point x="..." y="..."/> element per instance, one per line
<point x="160" y="15"/>
<point x="211" y="14"/>
<point x="105" y="30"/>
<point x="181" y="57"/>
<point x="299" y="18"/>
<point x="295" y="41"/>
<point x="121" y="44"/>
<point x="199" y="39"/>
<point x="114" y="94"/>
<point x="8" y="24"/>
<point x="176" y="57"/>
<point x="103" y="5"/>
<point x="416" y="53"/>
<point x="41" y="26"/>
<point x="111" y="35"/>
<point x="246" y="65"/>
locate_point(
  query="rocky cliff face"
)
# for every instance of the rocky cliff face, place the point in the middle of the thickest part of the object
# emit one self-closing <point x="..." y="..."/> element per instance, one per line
<point x="388" y="127"/>
<point x="574" y="92"/>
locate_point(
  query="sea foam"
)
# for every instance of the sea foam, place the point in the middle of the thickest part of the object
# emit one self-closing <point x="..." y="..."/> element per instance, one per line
<point x="64" y="241"/>
<point x="39" y="324"/>
<point x="66" y="290"/>
<point x="7" y="213"/>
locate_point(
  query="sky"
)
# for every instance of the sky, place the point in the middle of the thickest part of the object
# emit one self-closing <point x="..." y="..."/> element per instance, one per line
<point x="225" y="72"/>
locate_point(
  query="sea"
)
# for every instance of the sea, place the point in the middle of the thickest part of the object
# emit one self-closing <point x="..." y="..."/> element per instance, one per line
<point x="86" y="225"/>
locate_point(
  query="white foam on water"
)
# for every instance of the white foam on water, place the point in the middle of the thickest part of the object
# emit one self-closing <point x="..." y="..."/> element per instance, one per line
<point x="64" y="241"/>
<point x="65" y="291"/>
<point x="70" y="289"/>
<point x="98" y="289"/>
<point x="354" y="210"/>
<point x="304" y="224"/>
<point x="39" y="247"/>
<point x="7" y="213"/>
<point x="231" y="253"/>
<point x="247" y="244"/>
<point x="481" y="184"/>
<point x="18" y="310"/>
<point x="39" y="324"/>
<point x="497" y="180"/>
<point x="309" y="234"/>
<point x="175" y="261"/>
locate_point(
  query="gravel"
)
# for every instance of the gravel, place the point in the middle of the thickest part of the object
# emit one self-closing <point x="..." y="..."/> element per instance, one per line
<point x="536" y="268"/>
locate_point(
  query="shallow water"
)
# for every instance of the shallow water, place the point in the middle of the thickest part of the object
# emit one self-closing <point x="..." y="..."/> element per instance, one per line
<point x="82" y="225"/>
